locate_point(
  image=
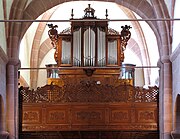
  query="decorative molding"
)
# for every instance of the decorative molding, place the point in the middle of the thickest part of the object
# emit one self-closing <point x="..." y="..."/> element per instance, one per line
<point x="146" y="115"/>
<point x="31" y="116"/>
<point x="88" y="127"/>
<point x="89" y="116"/>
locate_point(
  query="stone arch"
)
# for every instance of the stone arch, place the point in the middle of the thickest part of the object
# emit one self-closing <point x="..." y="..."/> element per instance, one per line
<point x="23" y="82"/>
<point x="163" y="29"/>
<point x="13" y="39"/>
<point x="32" y="12"/>
<point x="134" y="47"/>
<point x="36" y="47"/>
<point x="44" y="49"/>
<point x="141" y="7"/>
<point x="143" y="45"/>
<point x="35" y="8"/>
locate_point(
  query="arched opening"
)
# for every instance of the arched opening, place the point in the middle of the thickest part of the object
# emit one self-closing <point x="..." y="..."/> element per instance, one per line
<point x="41" y="53"/>
<point x="54" y="2"/>
<point x="90" y="86"/>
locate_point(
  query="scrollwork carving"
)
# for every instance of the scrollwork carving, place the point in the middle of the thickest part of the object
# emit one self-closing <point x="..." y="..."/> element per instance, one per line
<point x="88" y="90"/>
<point x="53" y="34"/>
<point x="125" y="36"/>
<point x="146" y="115"/>
<point x="31" y="116"/>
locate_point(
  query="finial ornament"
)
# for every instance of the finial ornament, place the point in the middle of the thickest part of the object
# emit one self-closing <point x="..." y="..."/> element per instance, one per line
<point x="106" y="14"/>
<point x="89" y="12"/>
<point x="72" y="14"/>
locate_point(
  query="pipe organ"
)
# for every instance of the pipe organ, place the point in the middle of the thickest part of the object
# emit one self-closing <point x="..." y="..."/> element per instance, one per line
<point x="88" y="95"/>
<point x="89" y="42"/>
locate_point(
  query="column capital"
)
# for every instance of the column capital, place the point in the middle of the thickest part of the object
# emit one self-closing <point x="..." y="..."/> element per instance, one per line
<point x="15" y="62"/>
<point x="165" y="59"/>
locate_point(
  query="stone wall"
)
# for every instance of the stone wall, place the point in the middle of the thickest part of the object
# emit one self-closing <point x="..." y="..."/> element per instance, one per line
<point x="175" y="58"/>
<point x="3" y="44"/>
<point x="2" y="94"/>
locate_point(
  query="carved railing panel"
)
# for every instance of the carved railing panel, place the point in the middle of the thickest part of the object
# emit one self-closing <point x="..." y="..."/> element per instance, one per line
<point x="81" y="104"/>
<point x="89" y="91"/>
<point x="91" y="116"/>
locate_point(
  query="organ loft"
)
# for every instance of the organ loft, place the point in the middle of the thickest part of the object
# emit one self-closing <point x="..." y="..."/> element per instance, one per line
<point x="90" y="93"/>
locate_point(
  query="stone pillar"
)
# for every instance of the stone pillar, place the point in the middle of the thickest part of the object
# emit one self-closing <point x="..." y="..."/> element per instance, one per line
<point x="165" y="101"/>
<point x="16" y="100"/>
<point x="175" y="59"/>
<point x="12" y="99"/>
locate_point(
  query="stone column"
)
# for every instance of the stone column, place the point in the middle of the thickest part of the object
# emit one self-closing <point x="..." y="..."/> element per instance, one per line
<point x="12" y="99"/>
<point x="165" y="101"/>
<point x="175" y="59"/>
<point x="16" y="100"/>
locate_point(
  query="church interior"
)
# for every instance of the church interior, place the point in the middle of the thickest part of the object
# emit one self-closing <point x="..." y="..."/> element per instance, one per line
<point x="89" y="69"/>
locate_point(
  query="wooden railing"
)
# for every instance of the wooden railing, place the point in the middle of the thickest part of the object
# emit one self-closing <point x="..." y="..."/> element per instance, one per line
<point x="88" y="105"/>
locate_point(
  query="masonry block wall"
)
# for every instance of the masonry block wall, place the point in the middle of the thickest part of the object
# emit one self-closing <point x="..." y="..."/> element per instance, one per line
<point x="175" y="58"/>
<point x="2" y="94"/>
